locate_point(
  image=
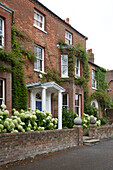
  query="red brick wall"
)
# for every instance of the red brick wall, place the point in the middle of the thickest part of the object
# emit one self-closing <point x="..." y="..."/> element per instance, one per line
<point x="109" y="80"/>
<point x="92" y="67"/>
<point x="19" y="146"/>
<point x="110" y="89"/>
<point x="55" y="28"/>
<point x="109" y="76"/>
<point x="7" y="42"/>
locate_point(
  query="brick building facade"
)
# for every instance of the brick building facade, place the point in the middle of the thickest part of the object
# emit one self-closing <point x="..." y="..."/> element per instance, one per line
<point x="6" y="16"/>
<point x="109" y="80"/>
<point x="92" y="84"/>
<point x="46" y="30"/>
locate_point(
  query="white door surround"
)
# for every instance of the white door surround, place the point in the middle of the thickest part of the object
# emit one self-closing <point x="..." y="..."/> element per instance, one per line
<point x="46" y="89"/>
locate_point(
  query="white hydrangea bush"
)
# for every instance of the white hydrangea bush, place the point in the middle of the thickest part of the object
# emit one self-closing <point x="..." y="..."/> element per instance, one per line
<point x="86" y="121"/>
<point x="26" y="121"/>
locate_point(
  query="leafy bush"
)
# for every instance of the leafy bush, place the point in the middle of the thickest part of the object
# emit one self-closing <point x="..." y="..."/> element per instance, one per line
<point x="68" y="118"/>
<point x="86" y="121"/>
<point x="91" y="110"/>
<point x="104" y="121"/>
<point x="26" y="121"/>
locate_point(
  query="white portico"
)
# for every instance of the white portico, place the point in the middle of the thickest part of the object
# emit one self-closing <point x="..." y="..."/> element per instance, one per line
<point x="40" y="97"/>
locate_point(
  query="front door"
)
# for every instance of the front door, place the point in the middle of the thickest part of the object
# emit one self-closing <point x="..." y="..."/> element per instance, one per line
<point x="39" y="105"/>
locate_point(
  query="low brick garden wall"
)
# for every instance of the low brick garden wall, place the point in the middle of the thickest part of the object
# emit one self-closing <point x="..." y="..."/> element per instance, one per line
<point x="102" y="132"/>
<point x="19" y="146"/>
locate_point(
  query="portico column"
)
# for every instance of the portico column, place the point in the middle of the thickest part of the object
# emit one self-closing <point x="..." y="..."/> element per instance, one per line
<point x="43" y="98"/>
<point x="59" y="110"/>
<point x="32" y="103"/>
<point x="49" y="102"/>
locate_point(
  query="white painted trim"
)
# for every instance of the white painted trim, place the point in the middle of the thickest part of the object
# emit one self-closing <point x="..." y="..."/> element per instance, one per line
<point x="6" y="9"/>
<point x="43" y="22"/>
<point x="68" y="37"/>
<point x="40" y="71"/>
<point x="3" y="37"/>
<point x="59" y="110"/>
<point x="43" y="99"/>
<point x="64" y="76"/>
<point x="3" y="98"/>
<point x="96" y="103"/>
<point x="37" y="46"/>
<point x="93" y="78"/>
<point x="80" y="105"/>
<point x="39" y="28"/>
<point x="77" y="75"/>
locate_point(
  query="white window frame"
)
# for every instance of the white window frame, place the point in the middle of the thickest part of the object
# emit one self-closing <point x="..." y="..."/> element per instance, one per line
<point x="77" y="67"/>
<point x="2" y="33"/>
<point x="65" y="106"/>
<point x="3" y="92"/>
<point x="37" y="20"/>
<point x="94" y="82"/>
<point x="78" y="106"/>
<point x="96" y="103"/>
<point x="68" y="38"/>
<point x="36" y="62"/>
<point x="64" y="65"/>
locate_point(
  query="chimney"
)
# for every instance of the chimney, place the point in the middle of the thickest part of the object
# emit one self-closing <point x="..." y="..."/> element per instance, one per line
<point x="67" y="20"/>
<point x="91" y="55"/>
<point x="89" y="51"/>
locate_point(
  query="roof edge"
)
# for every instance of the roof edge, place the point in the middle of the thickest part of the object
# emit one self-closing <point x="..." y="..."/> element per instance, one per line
<point x="6" y="7"/>
<point x="86" y="38"/>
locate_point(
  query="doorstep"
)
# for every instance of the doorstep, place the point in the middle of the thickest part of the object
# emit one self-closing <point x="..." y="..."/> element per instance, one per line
<point x="90" y="140"/>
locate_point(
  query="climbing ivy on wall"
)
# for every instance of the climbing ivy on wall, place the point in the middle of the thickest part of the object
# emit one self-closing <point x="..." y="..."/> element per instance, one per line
<point x="101" y="94"/>
<point x="72" y="51"/>
<point x="100" y="74"/>
<point x="16" y="58"/>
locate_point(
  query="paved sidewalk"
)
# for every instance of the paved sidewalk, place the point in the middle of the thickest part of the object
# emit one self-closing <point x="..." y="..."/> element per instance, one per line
<point x="96" y="157"/>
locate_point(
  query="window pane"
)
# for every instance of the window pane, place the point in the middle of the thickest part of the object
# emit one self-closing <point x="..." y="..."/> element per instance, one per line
<point x="41" y="19"/>
<point x="35" y="16"/>
<point x="76" y="62"/>
<point x="65" y="70"/>
<point x="40" y="60"/>
<point x="0" y="26"/>
<point x="1" y="40"/>
<point x="76" y="100"/>
<point x="66" y="41"/>
<point x="64" y="99"/>
<point x="93" y="83"/>
<point x="38" y="19"/>
<point x="35" y="65"/>
<point x="40" y="65"/>
<point x="64" y="59"/>
<point x="41" y="25"/>
<point x="1" y="88"/>
<point x="77" y="110"/>
<point x="68" y="38"/>
<point x="39" y="53"/>
<point x="76" y="71"/>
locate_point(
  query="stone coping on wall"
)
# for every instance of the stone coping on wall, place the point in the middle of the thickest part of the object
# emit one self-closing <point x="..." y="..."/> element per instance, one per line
<point x="102" y="132"/>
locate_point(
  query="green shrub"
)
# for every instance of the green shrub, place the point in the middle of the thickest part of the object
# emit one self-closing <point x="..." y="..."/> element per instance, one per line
<point x="91" y="110"/>
<point x="68" y="118"/>
<point x="104" y="121"/>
